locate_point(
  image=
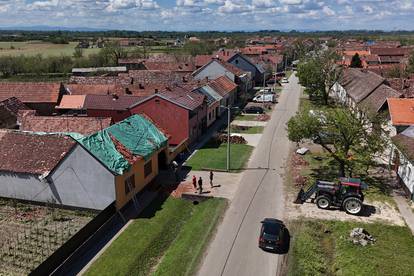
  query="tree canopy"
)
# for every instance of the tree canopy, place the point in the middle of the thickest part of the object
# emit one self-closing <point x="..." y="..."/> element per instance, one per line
<point x="318" y="73"/>
<point x="351" y="140"/>
<point x="356" y="61"/>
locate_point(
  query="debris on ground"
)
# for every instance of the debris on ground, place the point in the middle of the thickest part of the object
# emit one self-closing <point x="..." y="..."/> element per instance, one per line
<point x="234" y="139"/>
<point x="263" y="117"/>
<point x="297" y="164"/>
<point x="302" y="151"/>
<point x="361" y="236"/>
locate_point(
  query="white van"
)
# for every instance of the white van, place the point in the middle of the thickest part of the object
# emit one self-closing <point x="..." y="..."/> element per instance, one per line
<point x="266" y="98"/>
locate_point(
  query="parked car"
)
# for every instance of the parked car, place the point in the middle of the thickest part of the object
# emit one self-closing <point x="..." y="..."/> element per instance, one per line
<point x="265" y="98"/>
<point x="272" y="234"/>
<point x="285" y="80"/>
<point x="253" y="110"/>
<point x="267" y="90"/>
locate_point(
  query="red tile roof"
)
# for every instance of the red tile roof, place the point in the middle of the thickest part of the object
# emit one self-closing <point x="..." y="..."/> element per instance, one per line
<point x="96" y="89"/>
<point x="72" y="102"/>
<point x="158" y="76"/>
<point x="405" y="86"/>
<point x="122" y="79"/>
<point x="171" y="66"/>
<point x="201" y="60"/>
<point x="13" y="105"/>
<point x="401" y="111"/>
<point x="223" y="85"/>
<point x="110" y="102"/>
<point x="184" y="97"/>
<point x="81" y="125"/>
<point x="22" y="152"/>
<point x="30" y="92"/>
<point x="389" y="51"/>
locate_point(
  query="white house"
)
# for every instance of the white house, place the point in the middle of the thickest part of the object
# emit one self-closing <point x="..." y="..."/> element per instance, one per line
<point x="403" y="159"/>
<point x="54" y="169"/>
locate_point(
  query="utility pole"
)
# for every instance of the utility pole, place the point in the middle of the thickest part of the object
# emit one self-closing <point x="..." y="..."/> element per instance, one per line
<point x="264" y="85"/>
<point x="228" y="138"/>
<point x="228" y="134"/>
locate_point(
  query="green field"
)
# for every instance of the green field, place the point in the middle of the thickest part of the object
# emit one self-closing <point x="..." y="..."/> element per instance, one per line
<point x="247" y="130"/>
<point x="213" y="156"/>
<point x="322" y="248"/>
<point x="31" y="48"/>
<point x="169" y="238"/>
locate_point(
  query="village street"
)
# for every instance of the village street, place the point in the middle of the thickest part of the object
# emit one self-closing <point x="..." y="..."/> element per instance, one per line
<point x="234" y="249"/>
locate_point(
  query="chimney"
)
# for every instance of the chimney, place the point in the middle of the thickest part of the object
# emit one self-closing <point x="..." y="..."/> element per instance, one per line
<point x="206" y="78"/>
<point x="127" y="91"/>
<point x="184" y="79"/>
<point x="115" y="97"/>
<point x="156" y="91"/>
<point x="141" y="86"/>
<point x="132" y="81"/>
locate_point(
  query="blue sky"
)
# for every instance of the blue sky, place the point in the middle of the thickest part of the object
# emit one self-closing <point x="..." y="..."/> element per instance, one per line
<point x="226" y="15"/>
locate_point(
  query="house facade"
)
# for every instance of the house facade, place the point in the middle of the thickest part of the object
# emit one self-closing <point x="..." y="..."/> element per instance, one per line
<point x="402" y="159"/>
<point x="52" y="169"/>
<point x="90" y="172"/>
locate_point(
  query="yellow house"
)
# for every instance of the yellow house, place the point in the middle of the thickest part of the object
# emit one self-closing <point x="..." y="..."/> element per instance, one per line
<point x="131" y="151"/>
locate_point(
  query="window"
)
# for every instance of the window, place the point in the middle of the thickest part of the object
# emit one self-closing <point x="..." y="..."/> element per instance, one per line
<point x="209" y="116"/>
<point x="148" y="168"/>
<point x="129" y="184"/>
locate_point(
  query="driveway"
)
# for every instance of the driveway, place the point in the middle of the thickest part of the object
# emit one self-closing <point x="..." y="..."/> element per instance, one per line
<point x="234" y="249"/>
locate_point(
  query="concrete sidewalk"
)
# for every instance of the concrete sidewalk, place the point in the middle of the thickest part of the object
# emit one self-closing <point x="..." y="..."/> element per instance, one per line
<point x="405" y="209"/>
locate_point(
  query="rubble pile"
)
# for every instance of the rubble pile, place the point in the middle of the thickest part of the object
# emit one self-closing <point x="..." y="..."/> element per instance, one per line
<point x="263" y="117"/>
<point x="361" y="237"/>
<point x="234" y="139"/>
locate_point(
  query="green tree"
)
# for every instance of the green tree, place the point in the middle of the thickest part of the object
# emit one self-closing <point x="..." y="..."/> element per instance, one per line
<point x="352" y="141"/>
<point x="319" y="73"/>
<point x="356" y="61"/>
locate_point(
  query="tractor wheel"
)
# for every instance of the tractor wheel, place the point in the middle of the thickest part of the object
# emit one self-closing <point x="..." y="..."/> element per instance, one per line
<point x="323" y="202"/>
<point x="352" y="205"/>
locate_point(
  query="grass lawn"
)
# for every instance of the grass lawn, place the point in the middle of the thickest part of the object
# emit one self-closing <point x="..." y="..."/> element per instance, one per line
<point x="31" y="48"/>
<point x="183" y="256"/>
<point x="246" y="117"/>
<point x="213" y="156"/>
<point x="322" y="248"/>
<point x="163" y="228"/>
<point x="247" y="130"/>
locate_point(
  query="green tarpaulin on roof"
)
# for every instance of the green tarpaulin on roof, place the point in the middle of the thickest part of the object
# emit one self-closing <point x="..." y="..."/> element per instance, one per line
<point x="136" y="133"/>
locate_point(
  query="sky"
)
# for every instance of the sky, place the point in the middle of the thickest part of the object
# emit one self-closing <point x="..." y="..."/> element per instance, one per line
<point x="203" y="15"/>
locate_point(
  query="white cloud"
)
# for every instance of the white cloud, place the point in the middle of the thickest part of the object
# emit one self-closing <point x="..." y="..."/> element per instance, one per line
<point x="291" y="2"/>
<point x="115" y="5"/>
<point x="263" y="3"/>
<point x="43" y="5"/>
<point x="234" y="6"/>
<point x="328" y="11"/>
<point x="367" y="9"/>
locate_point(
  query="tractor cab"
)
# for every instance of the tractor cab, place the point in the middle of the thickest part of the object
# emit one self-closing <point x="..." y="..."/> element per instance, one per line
<point x="345" y="193"/>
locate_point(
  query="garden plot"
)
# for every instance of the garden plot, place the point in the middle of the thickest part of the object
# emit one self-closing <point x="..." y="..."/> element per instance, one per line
<point x="30" y="234"/>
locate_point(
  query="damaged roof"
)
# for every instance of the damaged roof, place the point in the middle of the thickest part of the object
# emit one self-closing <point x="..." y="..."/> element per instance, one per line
<point x="81" y="125"/>
<point x="23" y="152"/>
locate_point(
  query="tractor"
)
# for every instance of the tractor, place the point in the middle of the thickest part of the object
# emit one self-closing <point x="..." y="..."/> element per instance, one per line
<point x="345" y="193"/>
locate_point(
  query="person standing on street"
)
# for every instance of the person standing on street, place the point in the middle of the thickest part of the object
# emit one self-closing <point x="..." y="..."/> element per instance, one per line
<point x="200" y="184"/>
<point x="211" y="178"/>
<point x="195" y="182"/>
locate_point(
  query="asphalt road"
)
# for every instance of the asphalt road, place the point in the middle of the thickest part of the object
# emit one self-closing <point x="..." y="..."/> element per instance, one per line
<point x="234" y="249"/>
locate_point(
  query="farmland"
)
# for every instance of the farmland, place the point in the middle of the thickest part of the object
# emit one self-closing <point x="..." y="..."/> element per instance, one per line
<point x="31" y="48"/>
<point x="32" y="233"/>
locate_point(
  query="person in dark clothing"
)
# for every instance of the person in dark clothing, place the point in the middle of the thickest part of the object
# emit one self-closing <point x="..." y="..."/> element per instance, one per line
<point x="200" y="184"/>
<point x="211" y="178"/>
<point x="195" y="182"/>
